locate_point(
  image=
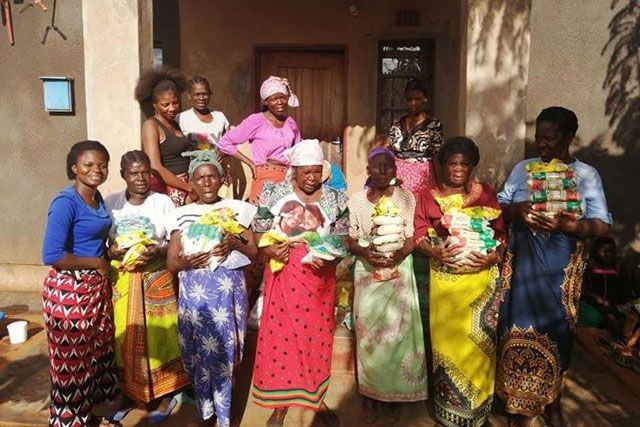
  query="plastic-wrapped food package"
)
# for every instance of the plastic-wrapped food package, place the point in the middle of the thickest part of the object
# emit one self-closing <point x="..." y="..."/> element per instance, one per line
<point x="553" y="189"/>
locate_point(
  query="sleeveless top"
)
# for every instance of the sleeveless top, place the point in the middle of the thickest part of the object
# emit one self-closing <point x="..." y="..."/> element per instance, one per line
<point x="171" y="149"/>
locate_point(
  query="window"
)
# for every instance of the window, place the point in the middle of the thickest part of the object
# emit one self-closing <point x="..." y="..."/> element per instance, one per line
<point x="399" y="62"/>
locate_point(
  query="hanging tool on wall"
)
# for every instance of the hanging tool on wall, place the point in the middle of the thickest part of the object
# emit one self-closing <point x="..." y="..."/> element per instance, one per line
<point x="6" y="20"/>
<point x="34" y="3"/>
<point x="53" y="25"/>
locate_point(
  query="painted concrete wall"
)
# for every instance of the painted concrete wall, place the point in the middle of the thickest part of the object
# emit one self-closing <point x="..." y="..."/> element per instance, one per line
<point x="217" y="40"/>
<point x="35" y="143"/>
<point x="568" y="68"/>
<point x="111" y="73"/>
<point x="496" y="54"/>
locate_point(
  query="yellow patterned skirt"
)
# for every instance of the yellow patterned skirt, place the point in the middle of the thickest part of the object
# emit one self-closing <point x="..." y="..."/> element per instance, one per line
<point x="463" y="317"/>
<point x="148" y="357"/>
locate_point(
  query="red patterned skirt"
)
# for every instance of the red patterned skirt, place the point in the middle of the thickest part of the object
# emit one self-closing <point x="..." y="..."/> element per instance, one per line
<point x="416" y="176"/>
<point x="78" y="320"/>
<point x="295" y="342"/>
<point x="177" y="196"/>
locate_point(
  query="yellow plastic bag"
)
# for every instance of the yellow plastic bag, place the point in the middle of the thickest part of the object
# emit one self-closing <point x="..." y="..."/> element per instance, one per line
<point x="555" y="165"/>
<point x="455" y="203"/>
<point x="269" y="238"/>
<point x="385" y="207"/>
<point x="224" y="218"/>
<point x="136" y="242"/>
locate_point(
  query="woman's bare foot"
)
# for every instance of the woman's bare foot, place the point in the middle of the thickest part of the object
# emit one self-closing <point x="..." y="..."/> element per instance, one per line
<point x="391" y="412"/>
<point x="199" y="422"/>
<point x="552" y="415"/>
<point x="327" y="417"/>
<point x="370" y="409"/>
<point x="519" y="421"/>
<point x="277" y="418"/>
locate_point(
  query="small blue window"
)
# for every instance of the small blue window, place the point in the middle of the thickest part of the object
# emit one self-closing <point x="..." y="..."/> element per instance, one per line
<point x="58" y="97"/>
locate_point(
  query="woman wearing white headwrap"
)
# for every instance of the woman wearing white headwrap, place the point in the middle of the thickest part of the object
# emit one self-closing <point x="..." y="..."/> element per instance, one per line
<point x="295" y="341"/>
<point x="270" y="132"/>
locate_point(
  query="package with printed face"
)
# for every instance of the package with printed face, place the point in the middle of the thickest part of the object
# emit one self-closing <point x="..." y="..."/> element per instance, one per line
<point x="328" y="248"/>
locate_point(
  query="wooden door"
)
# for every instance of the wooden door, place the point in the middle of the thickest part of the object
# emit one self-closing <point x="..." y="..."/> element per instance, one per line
<point x="317" y="76"/>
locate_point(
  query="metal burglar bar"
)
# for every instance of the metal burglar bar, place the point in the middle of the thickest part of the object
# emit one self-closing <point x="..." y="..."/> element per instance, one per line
<point x="398" y="62"/>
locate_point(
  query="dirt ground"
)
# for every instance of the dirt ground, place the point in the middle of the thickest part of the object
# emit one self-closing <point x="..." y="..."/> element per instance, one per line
<point x="597" y="393"/>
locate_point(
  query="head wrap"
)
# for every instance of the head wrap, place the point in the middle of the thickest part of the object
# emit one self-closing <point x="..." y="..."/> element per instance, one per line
<point x="202" y="157"/>
<point x="380" y="150"/>
<point x="305" y="153"/>
<point x="385" y="152"/>
<point x="278" y="85"/>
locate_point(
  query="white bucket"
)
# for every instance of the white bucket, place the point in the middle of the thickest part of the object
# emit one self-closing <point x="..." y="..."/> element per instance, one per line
<point x="17" y="332"/>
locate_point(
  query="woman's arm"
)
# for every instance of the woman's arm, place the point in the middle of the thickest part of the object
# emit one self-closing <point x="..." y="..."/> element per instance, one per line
<point x="239" y="135"/>
<point x="151" y="146"/>
<point x="60" y="220"/>
<point x="514" y="211"/>
<point x="582" y="229"/>
<point x="244" y="244"/>
<point x="73" y="262"/>
<point x="176" y="261"/>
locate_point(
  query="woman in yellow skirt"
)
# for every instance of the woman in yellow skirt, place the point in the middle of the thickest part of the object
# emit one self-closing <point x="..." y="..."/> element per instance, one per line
<point x="463" y="305"/>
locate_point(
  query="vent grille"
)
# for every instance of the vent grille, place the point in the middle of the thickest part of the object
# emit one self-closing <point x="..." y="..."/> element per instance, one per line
<point x="408" y="17"/>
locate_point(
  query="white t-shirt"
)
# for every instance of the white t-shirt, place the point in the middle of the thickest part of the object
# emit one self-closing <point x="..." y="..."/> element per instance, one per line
<point x="185" y="215"/>
<point x="190" y="123"/>
<point x="157" y="207"/>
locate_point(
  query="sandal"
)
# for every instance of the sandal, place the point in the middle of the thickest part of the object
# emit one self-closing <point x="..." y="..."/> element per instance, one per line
<point x="104" y="422"/>
<point x="117" y="416"/>
<point x="619" y="359"/>
<point x="156" y="416"/>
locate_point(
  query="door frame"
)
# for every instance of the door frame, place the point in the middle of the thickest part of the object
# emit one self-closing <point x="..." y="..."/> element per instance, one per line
<point x="311" y="48"/>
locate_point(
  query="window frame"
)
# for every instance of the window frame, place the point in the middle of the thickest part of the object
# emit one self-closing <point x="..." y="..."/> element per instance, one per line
<point x="428" y="75"/>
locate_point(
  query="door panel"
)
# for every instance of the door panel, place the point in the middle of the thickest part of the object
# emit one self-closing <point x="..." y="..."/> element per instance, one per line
<point x="317" y="77"/>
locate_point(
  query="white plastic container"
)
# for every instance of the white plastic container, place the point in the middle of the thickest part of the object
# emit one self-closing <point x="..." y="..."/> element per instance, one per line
<point x="17" y="332"/>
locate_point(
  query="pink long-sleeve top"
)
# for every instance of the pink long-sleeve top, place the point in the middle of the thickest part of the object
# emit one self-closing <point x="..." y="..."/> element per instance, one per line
<point x="267" y="141"/>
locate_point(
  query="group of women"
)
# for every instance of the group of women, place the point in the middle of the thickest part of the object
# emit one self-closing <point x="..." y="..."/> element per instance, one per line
<point x="173" y="320"/>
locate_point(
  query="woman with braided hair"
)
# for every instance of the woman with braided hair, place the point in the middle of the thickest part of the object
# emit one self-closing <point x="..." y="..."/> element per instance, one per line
<point x="162" y="139"/>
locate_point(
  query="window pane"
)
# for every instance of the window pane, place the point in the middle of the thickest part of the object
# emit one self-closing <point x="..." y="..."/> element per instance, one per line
<point x="397" y="94"/>
<point x="386" y="92"/>
<point x="398" y="62"/>
<point x="389" y="66"/>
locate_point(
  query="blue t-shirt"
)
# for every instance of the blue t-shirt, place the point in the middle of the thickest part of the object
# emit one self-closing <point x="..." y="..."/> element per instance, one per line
<point x="74" y="227"/>
<point x="516" y="189"/>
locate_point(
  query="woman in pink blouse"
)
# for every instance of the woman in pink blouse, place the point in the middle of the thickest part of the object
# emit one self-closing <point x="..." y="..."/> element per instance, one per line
<point x="270" y="132"/>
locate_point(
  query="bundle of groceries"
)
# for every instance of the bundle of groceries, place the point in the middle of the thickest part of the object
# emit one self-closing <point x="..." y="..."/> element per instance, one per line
<point x="469" y="227"/>
<point x="553" y="189"/>
<point x="208" y="231"/>
<point x="133" y="233"/>
<point x="328" y="248"/>
<point x="387" y="235"/>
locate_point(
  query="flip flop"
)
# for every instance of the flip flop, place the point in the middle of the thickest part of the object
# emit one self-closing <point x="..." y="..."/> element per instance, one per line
<point x="620" y="359"/>
<point x="118" y="416"/>
<point x="610" y="343"/>
<point x="156" y="417"/>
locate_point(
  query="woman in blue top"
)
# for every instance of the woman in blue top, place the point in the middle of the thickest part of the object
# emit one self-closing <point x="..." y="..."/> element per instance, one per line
<point x="76" y="297"/>
<point x="542" y="275"/>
